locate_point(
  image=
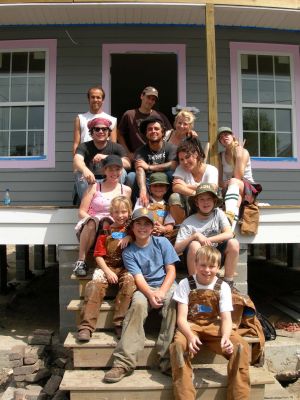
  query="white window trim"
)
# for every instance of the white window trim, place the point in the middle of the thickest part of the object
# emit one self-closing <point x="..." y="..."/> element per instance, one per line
<point x="236" y="48"/>
<point x="50" y="47"/>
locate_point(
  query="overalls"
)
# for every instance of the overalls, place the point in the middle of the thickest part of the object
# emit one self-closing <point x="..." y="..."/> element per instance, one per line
<point x="160" y="211"/>
<point x="205" y="322"/>
<point x="96" y="289"/>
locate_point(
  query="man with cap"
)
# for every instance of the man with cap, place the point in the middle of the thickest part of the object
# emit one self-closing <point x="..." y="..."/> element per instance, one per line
<point x="208" y="226"/>
<point x="88" y="156"/>
<point x="154" y="156"/>
<point x="151" y="260"/>
<point x="96" y="96"/>
<point x="129" y="134"/>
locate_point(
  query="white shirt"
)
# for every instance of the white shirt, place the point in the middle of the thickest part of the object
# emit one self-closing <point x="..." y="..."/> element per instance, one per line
<point x="182" y="291"/>
<point x="210" y="175"/>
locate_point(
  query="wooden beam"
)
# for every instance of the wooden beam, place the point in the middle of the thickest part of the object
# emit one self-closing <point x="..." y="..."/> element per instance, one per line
<point x="211" y="82"/>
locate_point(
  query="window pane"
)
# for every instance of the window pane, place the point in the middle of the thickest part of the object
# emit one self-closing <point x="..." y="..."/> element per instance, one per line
<point x="37" y="61"/>
<point x="249" y="91"/>
<point x="19" y="62"/>
<point x="284" y="145"/>
<point x="18" y="144"/>
<point x="282" y="65"/>
<point x="3" y="144"/>
<point x="265" y="66"/>
<point x="283" y="120"/>
<point x="266" y="119"/>
<point x="266" y="91"/>
<point x="18" y="117"/>
<point x="248" y="65"/>
<point x="4" y="89"/>
<point x="18" y="88"/>
<point x="250" y="119"/>
<point x="4" y="118"/>
<point x="36" y="89"/>
<point x="283" y="92"/>
<point x="267" y="145"/>
<point x="5" y="63"/>
<point x="36" y="118"/>
<point x="251" y="143"/>
<point x="36" y="143"/>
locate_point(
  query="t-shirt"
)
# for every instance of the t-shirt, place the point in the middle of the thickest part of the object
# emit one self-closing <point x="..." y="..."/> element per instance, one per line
<point x="88" y="150"/>
<point x="130" y="123"/>
<point x="211" y="226"/>
<point x="150" y="261"/>
<point x="210" y="175"/>
<point x="182" y="291"/>
<point x="165" y="154"/>
<point x="88" y="116"/>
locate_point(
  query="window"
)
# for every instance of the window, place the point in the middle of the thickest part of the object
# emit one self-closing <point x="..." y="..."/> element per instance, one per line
<point x="264" y="102"/>
<point x="27" y="103"/>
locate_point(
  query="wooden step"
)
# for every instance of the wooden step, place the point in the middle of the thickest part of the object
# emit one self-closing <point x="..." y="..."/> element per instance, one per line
<point x="105" y="319"/>
<point x="97" y="353"/>
<point x="210" y="380"/>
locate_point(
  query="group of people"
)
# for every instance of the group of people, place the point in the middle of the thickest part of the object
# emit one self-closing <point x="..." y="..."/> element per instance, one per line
<point x="145" y="201"/>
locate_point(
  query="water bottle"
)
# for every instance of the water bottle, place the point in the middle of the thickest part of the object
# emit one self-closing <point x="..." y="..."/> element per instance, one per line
<point x="6" y="199"/>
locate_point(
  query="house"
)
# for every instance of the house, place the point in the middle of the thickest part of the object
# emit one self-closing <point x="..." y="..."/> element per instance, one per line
<point x="236" y="61"/>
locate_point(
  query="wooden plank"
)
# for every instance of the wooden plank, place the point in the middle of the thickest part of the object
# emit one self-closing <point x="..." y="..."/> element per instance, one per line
<point x="105" y="319"/>
<point x="97" y="353"/>
<point x="212" y="83"/>
<point x="212" y="376"/>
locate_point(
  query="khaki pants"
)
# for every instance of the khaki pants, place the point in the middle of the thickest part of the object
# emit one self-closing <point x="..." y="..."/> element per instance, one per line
<point x="133" y="334"/>
<point x="94" y="293"/>
<point x="238" y="365"/>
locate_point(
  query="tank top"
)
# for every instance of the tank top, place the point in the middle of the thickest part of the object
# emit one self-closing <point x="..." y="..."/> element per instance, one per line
<point x="86" y="117"/>
<point x="228" y="169"/>
<point x="100" y="203"/>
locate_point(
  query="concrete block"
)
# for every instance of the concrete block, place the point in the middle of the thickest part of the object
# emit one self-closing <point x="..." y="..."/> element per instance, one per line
<point x="36" y="376"/>
<point x="282" y="354"/>
<point x="67" y="293"/>
<point x="28" y="369"/>
<point x="8" y="394"/>
<point x="16" y="363"/>
<point x="17" y="352"/>
<point x="33" y="353"/>
<point x="67" y="253"/>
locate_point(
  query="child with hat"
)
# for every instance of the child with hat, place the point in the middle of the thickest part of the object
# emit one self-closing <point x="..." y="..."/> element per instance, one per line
<point x="158" y="187"/>
<point x="208" y="226"/>
<point x="151" y="260"/>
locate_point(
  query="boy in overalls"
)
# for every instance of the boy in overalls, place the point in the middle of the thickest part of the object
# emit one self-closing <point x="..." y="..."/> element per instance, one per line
<point x="204" y="316"/>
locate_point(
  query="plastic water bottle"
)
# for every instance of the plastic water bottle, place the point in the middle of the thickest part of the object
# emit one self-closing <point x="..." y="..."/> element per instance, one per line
<point x="7" y="199"/>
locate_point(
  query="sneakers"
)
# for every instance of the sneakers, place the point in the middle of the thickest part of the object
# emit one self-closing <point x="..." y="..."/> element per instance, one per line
<point x="80" y="268"/>
<point x="84" y="335"/>
<point x="116" y="374"/>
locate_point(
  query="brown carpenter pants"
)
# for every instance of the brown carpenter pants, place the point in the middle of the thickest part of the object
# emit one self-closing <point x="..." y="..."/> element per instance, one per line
<point x="238" y="387"/>
<point x="95" y="291"/>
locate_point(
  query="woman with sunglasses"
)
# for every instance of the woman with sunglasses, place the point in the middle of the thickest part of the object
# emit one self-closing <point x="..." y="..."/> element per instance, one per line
<point x="95" y="207"/>
<point x="89" y="155"/>
<point x="191" y="171"/>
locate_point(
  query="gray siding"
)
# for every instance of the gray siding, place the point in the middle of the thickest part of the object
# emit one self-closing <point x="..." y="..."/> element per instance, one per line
<point x="79" y="67"/>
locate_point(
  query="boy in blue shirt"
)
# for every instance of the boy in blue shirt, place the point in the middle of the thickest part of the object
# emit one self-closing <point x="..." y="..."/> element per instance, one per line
<point x="151" y="260"/>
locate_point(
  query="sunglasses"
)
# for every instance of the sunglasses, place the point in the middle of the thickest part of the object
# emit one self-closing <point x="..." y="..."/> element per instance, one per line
<point x="100" y="129"/>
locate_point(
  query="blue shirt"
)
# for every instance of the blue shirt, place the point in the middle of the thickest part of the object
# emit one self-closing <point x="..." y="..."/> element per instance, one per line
<point x="150" y="261"/>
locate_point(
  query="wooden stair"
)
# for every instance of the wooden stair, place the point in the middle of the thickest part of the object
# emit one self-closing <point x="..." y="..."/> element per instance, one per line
<point x="210" y="369"/>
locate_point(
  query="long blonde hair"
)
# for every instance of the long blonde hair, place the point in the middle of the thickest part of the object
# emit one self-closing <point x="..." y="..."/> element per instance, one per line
<point x="232" y="150"/>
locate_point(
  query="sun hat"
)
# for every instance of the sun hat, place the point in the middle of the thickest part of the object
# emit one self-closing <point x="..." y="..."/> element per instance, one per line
<point x="223" y="129"/>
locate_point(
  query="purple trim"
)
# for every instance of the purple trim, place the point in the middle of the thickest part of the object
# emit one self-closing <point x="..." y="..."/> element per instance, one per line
<point x="108" y="49"/>
<point x="50" y="110"/>
<point x="291" y="50"/>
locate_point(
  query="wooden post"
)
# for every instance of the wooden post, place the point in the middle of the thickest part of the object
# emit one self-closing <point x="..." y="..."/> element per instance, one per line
<point x="52" y="254"/>
<point x="212" y="82"/>
<point x="3" y="269"/>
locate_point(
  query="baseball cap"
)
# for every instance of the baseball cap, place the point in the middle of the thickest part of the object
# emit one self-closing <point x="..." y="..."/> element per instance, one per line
<point x="112" y="160"/>
<point x="206" y="188"/>
<point x="150" y="91"/>
<point x="150" y="120"/>
<point x="158" y="177"/>
<point x="142" y="213"/>
<point x="224" y="129"/>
